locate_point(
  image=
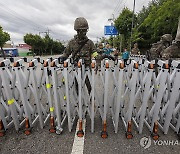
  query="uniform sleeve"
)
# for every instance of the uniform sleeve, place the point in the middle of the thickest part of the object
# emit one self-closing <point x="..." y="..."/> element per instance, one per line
<point x="166" y="54"/>
<point x="67" y="50"/>
<point x="93" y="48"/>
<point x="95" y="53"/>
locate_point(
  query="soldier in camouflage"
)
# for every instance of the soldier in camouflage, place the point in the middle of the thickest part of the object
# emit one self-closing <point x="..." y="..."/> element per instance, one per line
<point x="100" y="49"/>
<point x="158" y="48"/>
<point x="80" y="47"/>
<point x="174" y="50"/>
<point x="135" y="50"/>
<point x="98" y="55"/>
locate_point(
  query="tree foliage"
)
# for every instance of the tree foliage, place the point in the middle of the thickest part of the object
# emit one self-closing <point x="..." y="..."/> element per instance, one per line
<point x="162" y="19"/>
<point x="4" y="37"/>
<point x="158" y="18"/>
<point x="124" y="23"/>
<point x="44" y="45"/>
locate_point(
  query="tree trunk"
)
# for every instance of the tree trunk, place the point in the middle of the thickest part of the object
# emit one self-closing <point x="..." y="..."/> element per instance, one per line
<point x="3" y="53"/>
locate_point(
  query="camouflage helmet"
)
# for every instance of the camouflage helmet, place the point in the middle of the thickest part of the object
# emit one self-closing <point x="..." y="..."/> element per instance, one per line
<point x="166" y="38"/>
<point x="80" y="23"/>
<point x="100" y="44"/>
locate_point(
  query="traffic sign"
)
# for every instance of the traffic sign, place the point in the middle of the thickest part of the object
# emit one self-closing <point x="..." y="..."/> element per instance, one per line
<point x="110" y="30"/>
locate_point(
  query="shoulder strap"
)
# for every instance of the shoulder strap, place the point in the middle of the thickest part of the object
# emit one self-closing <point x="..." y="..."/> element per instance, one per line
<point x="80" y="47"/>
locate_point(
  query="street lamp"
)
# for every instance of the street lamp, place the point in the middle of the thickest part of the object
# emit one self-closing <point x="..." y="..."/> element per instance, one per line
<point x="112" y="20"/>
<point x="42" y="32"/>
<point x="132" y="23"/>
<point x="112" y="24"/>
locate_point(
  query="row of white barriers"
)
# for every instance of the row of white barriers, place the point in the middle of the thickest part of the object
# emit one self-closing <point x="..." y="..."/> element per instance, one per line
<point x="50" y="91"/>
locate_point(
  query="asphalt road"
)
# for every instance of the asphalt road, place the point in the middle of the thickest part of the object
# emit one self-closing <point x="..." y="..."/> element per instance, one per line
<point x="41" y="141"/>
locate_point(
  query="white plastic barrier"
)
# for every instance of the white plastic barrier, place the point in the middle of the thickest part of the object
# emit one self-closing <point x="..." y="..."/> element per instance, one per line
<point x="143" y="92"/>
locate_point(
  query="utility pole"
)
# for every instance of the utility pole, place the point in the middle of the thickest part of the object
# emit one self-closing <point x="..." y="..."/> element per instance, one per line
<point x="113" y="19"/>
<point x="132" y="24"/>
<point x="42" y="32"/>
<point x="48" y="31"/>
<point x="112" y="24"/>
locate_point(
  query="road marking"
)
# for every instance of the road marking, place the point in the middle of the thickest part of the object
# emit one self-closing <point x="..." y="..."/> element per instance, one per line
<point x="78" y="145"/>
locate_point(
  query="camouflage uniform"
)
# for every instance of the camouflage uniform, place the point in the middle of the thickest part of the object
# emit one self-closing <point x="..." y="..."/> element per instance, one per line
<point x="80" y="47"/>
<point x="158" y="48"/>
<point x="98" y="56"/>
<point x="81" y="42"/>
<point x="135" y="50"/>
<point x="174" y="50"/>
<point x="87" y="47"/>
<point x="85" y="53"/>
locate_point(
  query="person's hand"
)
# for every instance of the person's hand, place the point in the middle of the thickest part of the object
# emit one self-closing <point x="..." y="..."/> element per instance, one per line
<point x="108" y="56"/>
<point x="111" y="57"/>
<point x="61" y="59"/>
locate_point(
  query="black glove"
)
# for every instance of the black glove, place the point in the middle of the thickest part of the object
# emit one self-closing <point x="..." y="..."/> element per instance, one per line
<point x="108" y="56"/>
<point x="61" y="59"/>
<point x="112" y="57"/>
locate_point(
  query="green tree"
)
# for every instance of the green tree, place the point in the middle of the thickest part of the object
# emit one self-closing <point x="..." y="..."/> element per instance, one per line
<point x="39" y="43"/>
<point x="30" y="40"/>
<point x="119" y="42"/>
<point x="160" y="17"/>
<point x="111" y="40"/>
<point x="44" y="45"/>
<point x="124" y="24"/>
<point x="50" y="43"/>
<point x="36" y="42"/>
<point x="166" y="18"/>
<point x="58" y="48"/>
<point x="4" y="37"/>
